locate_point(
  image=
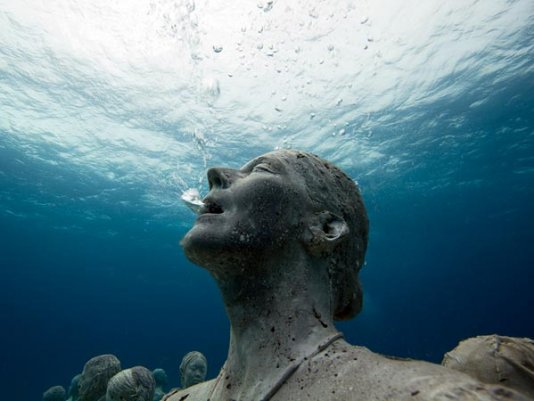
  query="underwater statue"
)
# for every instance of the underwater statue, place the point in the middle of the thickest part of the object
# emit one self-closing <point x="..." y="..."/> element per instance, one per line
<point x="133" y="384"/>
<point x="74" y="388"/>
<point x="55" y="393"/>
<point x="95" y="377"/>
<point x="284" y="238"/>
<point x="193" y="369"/>
<point x="160" y="378"/>
<point x="494" y="359"/>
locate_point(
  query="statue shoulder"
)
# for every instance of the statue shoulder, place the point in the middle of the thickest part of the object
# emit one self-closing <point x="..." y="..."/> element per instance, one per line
<point x="352" y="373"/>
<point x="198" y="392"/>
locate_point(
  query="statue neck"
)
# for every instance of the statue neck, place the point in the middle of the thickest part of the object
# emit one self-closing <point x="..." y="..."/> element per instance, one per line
<point x="279" y="313"/>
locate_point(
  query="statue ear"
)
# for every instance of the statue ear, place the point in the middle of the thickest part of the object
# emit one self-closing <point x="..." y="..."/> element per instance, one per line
<point x="325" y="231"/>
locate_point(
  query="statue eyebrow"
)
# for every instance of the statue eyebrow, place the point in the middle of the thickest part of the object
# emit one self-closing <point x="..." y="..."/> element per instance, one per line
<point x="251" y="164"/>
<point x="274" y="164"/>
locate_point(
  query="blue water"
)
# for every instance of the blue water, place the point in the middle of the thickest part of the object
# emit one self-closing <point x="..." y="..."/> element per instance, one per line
<point x="98" y="141"/>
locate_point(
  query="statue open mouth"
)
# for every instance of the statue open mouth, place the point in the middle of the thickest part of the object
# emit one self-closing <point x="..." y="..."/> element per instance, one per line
<point x="211" y="207"/>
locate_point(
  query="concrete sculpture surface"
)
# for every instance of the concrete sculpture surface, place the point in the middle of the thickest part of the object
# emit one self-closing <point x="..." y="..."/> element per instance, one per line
<point x="284" y="238"/>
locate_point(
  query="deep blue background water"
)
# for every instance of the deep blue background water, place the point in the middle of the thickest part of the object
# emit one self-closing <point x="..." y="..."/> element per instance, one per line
<point x="444" y="263"/>
<point x="101" y="128"/>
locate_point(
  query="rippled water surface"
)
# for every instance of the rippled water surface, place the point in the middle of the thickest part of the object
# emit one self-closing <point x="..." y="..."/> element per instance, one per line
<point x="109" y="110"/>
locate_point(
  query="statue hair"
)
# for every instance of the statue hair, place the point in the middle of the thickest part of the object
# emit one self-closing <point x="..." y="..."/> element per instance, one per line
<point x="134" y="384"/>
<point x="329" y="188"/>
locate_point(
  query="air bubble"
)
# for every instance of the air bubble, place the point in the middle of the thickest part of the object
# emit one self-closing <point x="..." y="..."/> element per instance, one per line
<point x="217" y="48"/>
<point x="191" y="198"/>
<point x="190" y="5"/>
<point x="268" y="6"/>
<point x="211" y="87"/>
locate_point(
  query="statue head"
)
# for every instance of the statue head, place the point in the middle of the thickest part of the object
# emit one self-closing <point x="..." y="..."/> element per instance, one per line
<point x="193" y="369"/>
<point x="134" y="384"/>
<point x="280" y="200"/>
<point x="95" y="376"/>
<point x="74" y="387"/>
<point x="55" y="393"/>
<point x="160" y="377"/>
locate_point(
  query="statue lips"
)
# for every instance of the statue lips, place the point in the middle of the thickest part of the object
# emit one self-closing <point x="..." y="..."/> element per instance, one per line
<point x="210" y="209"/>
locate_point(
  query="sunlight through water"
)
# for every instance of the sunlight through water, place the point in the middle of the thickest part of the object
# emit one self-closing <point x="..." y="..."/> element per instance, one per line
<point x="138" y="98"/>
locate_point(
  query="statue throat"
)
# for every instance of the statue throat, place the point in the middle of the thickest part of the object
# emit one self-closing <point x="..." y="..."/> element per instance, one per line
<point x="286" y="373"/>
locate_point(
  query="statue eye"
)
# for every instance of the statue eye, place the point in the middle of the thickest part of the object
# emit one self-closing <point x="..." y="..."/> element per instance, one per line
<point x="263" y="168"/>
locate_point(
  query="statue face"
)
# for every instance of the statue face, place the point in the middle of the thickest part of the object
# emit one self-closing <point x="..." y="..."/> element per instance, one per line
<point x="194" y="372"/>
<point x="248" y="214"/>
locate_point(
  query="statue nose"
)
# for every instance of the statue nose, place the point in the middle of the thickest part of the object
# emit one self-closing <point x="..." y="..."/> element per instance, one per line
<point x="220" y="178"/>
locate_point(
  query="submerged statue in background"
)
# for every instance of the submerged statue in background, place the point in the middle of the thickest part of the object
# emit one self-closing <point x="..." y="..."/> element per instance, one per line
<point x="55" y="393"/>
<point x="284" y="237"/>
<point x="494" y="359"/>
<point x="160" y="378"/>
<point x="134" y="384"/>
<point x="193" y="369"/>
<point x="95" y="376"/>
<point x="74" y="388"/>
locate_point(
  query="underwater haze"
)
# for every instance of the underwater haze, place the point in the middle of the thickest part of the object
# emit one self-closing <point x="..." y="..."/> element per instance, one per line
<point x="109" y="110"/>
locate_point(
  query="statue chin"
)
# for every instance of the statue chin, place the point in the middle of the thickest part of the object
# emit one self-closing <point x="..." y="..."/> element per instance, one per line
<point x="206" y="252"/>
<point x="195" y="251"/>
<point x="220" y="248"/>
<point x="201" y="240"/>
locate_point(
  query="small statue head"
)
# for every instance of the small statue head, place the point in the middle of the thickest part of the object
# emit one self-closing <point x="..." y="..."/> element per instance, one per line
<point x="134" y="384"/>
<point x="193" y="369"/>
<point x="74" y="388"/>
<point x="95" y="376"/>
<point x="55" y="393"/>
<point x="160" y="376"/>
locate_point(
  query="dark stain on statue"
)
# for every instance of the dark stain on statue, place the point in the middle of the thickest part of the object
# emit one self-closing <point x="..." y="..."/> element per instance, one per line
<point x="318" y="317"/>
